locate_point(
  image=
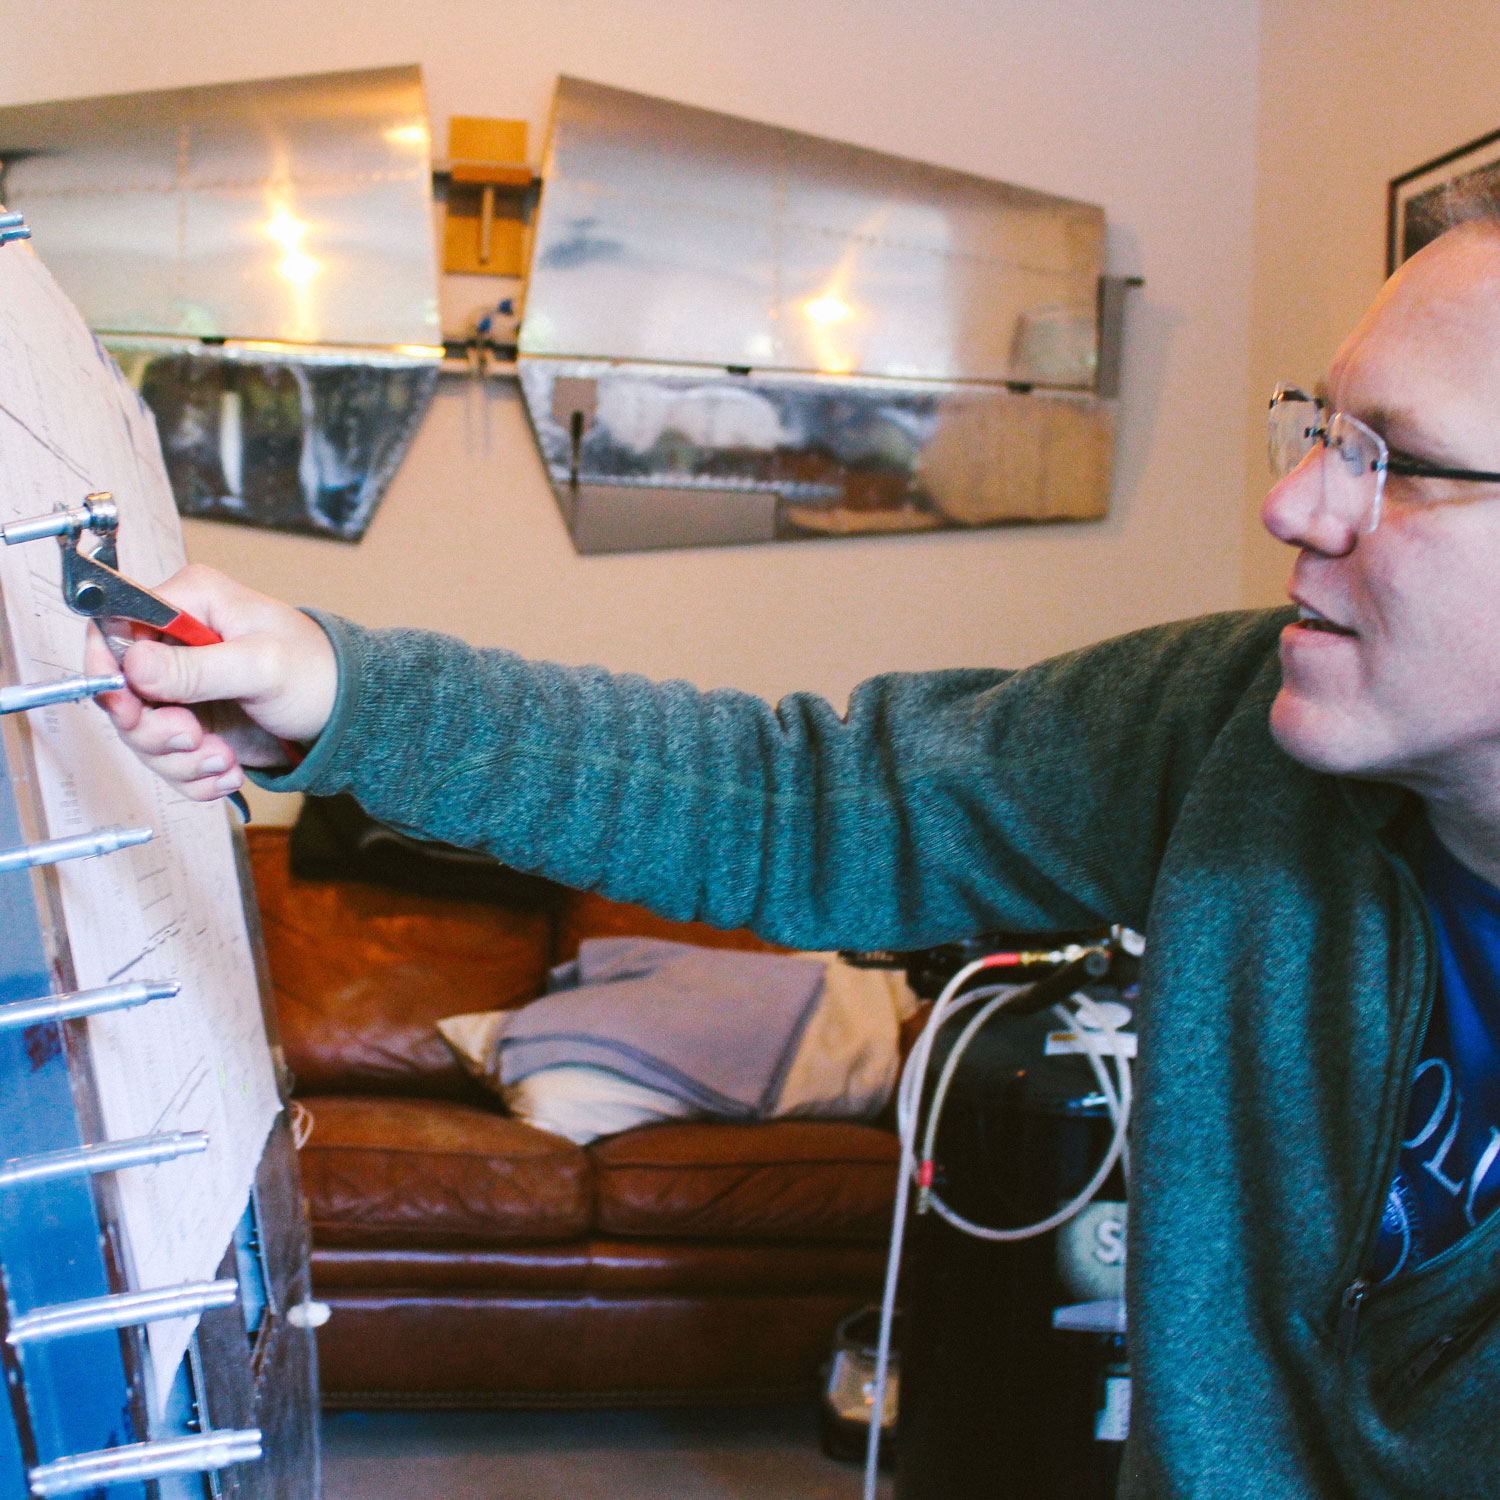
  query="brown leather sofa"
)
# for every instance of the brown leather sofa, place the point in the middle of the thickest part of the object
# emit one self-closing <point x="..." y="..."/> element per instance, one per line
<point x="471" y="1260"/>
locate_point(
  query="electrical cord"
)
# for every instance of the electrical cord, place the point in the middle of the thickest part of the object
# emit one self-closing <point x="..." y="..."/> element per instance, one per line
<point x="1057" y="990"/>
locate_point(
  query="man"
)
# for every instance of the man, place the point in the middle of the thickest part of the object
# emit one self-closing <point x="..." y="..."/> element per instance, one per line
<point x="1302" y="812"/>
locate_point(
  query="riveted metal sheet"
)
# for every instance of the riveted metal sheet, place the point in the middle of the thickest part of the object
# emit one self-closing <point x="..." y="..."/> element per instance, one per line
<point x="682" y="235"/>
<point x="296" y="209"/>
<point x="643" y="455"/>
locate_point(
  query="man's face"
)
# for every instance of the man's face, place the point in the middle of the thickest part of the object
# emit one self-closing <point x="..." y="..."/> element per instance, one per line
<point x="1406" y="685"/>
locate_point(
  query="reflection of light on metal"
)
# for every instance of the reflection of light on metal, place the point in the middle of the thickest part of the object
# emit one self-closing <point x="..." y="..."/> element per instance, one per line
<point x="414" y="137"/>
<point x="826" y="312"/>
<point x="835" y="319"/>
<point x="376" y="355"/>
<point x="297" y="268"/>
<point x="287" y="230"/>
<point x="827" y="309"/>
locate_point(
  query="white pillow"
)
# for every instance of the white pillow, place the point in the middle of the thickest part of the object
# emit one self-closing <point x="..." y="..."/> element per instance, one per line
<point x="848" y="1059"/>
<point x="584" y="1103"/>
<point x="844" y="1068"/>
<point x="580" y="1103"/>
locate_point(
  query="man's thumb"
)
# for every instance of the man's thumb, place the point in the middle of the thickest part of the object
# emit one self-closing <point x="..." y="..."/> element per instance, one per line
<point x="170" y="674"/>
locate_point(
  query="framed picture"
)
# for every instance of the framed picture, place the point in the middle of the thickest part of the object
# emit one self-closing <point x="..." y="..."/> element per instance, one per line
<point x="1415" y="198"/>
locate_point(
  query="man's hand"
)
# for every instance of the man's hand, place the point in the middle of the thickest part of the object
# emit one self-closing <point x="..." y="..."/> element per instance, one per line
<point x="273" y="679"/>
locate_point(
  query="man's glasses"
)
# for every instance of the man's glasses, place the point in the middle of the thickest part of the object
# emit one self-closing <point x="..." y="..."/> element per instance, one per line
<point x="1355" y="459"/>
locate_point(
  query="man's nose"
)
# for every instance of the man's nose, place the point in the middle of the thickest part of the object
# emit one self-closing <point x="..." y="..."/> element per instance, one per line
<point x="1295" y="511"/>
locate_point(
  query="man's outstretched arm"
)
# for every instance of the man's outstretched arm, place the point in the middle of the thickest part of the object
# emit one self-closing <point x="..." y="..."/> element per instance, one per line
<point x="942" y="804"/>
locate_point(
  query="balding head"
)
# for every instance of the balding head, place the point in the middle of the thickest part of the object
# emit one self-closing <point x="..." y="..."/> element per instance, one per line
<point x="1401" y="679"/>
<point x="1423" y="365"/>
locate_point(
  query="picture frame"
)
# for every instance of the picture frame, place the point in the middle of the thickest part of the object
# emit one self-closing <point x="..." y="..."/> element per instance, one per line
<point x="1413" y="197"/>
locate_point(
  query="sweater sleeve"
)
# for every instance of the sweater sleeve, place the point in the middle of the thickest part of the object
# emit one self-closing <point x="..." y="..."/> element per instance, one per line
<point x="943" y="804"/>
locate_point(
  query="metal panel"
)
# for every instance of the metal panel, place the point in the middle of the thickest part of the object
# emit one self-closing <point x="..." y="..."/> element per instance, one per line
<point x="644" y="456"/>
<point x="260" y="256"/>
<point x="678" y="234"/>
<point x="738" y="333"/>
<point x="295" y="208"/>
<point x="295" y="438"/>
<point x="78" y="1417"/>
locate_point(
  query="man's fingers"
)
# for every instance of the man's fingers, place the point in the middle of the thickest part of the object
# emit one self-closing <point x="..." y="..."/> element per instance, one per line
<point x="211" y="761"/>
<point x="162" y="731"/>
<point x="122" y="706"/>
<point x="208" y="766"/>
<point x="211" y="788"/>
<point x="226" y="606"/>
<point x="98" y="659"/>
<point x="124" y="709"/>
<point x="272" y="677"/>
<point x="197" y="674"/>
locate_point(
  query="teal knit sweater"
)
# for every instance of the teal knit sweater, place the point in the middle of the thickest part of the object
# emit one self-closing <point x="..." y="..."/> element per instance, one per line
<point x="1286" y="981"/>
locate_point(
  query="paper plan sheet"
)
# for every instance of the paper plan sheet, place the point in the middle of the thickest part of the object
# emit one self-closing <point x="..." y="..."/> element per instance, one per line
<point x="167" y="909"/>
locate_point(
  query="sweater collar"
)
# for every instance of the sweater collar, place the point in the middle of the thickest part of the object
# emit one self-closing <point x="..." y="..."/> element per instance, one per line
<point x="1386" y="810"/>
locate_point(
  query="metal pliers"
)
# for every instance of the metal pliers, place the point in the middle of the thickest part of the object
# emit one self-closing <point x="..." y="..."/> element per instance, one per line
<point x="93" y="585"/>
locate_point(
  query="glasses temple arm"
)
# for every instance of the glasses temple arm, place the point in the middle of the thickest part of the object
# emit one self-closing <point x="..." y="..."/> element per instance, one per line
<point x="1415" y="468"/>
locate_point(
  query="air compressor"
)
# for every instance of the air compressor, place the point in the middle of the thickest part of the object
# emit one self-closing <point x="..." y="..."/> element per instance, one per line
<point x="1010" y="1235"/>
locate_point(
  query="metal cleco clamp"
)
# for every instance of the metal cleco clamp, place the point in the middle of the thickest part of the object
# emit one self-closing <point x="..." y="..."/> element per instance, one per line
<point x="111" y="1156"/>
<point x="77" y="1003"/>
<point x="22" y="696"/>
<point x="119" y="1310"/>
<point x="76" y="846"/>
<point x="157" y="1460"/>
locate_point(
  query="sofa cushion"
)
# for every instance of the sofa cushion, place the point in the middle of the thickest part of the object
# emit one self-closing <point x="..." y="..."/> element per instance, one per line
<point x="430" y="1173"/>
<point x="786" y="1179"/>
<point x="361" y="973"/>
<point x="609" y="1268"/>
<point x="582" y="914"/>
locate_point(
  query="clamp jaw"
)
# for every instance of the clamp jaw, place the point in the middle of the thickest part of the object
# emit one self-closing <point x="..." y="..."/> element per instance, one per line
<point x="93" y="586"/>
<point x="92" y="583"/>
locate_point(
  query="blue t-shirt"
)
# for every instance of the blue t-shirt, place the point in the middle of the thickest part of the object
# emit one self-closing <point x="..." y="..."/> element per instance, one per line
<point x="1448" y="1175"/>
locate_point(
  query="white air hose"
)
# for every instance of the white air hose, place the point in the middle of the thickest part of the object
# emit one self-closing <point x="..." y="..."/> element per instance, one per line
<point x="1098" y="1042"/>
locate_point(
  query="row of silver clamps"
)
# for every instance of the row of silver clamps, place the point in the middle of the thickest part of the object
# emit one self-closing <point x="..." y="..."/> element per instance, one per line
<point x="139" y="1461"/>
<point x="197" y="1453"/>
<point x="17" y="699"/>
<point x="159" y="1459"/>
<point x="194" y="1454"/>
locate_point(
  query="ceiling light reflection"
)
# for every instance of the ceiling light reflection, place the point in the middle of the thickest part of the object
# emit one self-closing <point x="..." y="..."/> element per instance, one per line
<point x="414" y="137"/>
<point x="829" y="308"/>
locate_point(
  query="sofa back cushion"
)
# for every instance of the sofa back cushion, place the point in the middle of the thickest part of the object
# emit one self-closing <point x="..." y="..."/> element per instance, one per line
<point x="362" y="972"/>
<point x="581" y="914"/>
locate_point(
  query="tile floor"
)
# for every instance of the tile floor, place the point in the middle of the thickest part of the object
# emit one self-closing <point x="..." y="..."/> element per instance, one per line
<point x="756" y="1453"/>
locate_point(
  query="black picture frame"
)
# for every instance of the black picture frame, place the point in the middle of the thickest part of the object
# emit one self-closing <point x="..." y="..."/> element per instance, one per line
<point x="1411" y="197"/>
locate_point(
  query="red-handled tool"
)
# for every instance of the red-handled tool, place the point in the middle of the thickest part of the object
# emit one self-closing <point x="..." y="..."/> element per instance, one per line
<point x="93" y="585"/>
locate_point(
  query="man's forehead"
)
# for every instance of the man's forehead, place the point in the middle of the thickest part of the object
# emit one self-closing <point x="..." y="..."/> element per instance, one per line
<point x="1426" y="357"/>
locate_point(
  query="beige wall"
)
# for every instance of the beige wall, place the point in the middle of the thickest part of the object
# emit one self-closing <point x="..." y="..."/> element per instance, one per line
<point x="1352" y="94"/>
<point x="1146" y="108"/>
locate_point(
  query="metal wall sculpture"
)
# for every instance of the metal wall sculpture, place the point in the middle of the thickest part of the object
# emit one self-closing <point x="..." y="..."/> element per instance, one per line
<point x="738" y="333"/>
<point x="259" y="258"/>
